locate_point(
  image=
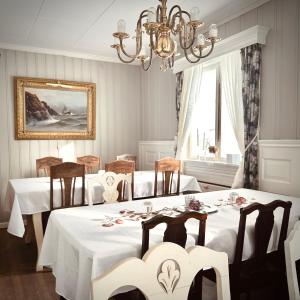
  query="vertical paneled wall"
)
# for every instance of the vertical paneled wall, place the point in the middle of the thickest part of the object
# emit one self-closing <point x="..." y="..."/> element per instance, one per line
<point x="158" y="104"/>
<point x="117" y="117"/>
<point x="280" y="84"/>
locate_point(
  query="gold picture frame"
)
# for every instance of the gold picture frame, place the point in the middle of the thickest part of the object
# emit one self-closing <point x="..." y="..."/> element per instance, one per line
<point x="49" y="109"/>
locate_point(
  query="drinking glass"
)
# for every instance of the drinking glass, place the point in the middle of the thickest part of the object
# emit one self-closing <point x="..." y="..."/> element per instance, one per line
<point x="149" y="207"/>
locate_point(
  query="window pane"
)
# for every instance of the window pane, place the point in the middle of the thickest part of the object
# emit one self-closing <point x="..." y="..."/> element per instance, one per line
<point x="229" y="144"/>
<point x="204" y="118"/>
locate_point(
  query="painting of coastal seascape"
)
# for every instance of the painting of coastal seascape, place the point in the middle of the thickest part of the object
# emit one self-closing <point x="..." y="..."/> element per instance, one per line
<point x="54" y="109"/>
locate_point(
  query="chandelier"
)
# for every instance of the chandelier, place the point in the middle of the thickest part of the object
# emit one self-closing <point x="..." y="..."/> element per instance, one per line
<point x="157" y="31"/>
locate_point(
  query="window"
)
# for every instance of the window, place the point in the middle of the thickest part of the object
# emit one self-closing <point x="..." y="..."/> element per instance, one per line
<point x="211" y="125"/>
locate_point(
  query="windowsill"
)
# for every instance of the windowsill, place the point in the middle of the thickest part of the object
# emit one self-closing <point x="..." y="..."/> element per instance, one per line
<point x="215" y="172"/>
<point x="211" y="162"/>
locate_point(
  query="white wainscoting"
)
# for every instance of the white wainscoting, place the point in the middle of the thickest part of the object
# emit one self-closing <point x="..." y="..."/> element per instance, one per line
<point x="279" y="169"/>
<point x="150" y="151"/>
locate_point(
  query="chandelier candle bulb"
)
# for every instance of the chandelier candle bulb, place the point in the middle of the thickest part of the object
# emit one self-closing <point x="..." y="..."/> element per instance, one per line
<point x="195" y="14"/>
<point x="121" y="26"/>
<point x="213" y="31"/>
<point x="200" y="40"/>
<point x="151" y="18"/>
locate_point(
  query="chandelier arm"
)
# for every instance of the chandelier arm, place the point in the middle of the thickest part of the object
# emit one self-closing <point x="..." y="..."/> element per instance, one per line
<point x="123" y="60"/>
<point x="210" y="51"/>
<point x="124" y="51"/>
<point x="138" y="38"/>
<point x="183" y="44"/>
<point x="171" y="61"/>
<point x="170" y="17"/>
<point x="152" y="44"/>
<point x="149" y="64"/>
<point x="189" y="60"/>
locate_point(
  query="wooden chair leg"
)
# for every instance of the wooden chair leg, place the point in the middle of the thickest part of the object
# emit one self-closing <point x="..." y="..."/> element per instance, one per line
<point x="38" y="231"/>
<point x="29" y="232"/>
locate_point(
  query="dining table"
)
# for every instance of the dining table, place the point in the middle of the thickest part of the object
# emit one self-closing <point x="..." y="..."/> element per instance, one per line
<point x="82" y="243"/>
<point x="31" y="197"/>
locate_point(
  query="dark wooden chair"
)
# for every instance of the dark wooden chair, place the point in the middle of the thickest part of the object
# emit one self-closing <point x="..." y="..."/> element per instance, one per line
<point x="67" y="173"/>
<point x="44" y="164"/>
<point x="263" y="269"/>
<point x="122" y="167"/>
<point x="176" y="233"/>
<point x="92" y="163"/>
<point x="167" y="167"/>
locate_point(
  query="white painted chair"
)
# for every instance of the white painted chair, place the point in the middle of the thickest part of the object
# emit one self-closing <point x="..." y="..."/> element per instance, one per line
<point x="292" y="254"/>
<point x="165" y="272"/>
<point x="110" y="181"/>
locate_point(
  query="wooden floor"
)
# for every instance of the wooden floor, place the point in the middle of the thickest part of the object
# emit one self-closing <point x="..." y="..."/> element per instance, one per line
<point x="18" y="279"/>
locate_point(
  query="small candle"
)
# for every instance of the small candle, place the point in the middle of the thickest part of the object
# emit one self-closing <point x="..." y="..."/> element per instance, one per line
<point x="200" y="40"/>
<point x="151" y="16"/>
<point x="213" y="31"/>
<point x="195" y="13"/>
<point x="121" y="26"/>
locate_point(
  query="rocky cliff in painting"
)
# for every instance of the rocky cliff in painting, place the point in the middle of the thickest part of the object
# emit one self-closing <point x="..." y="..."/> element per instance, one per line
<point x="36" y="109"/>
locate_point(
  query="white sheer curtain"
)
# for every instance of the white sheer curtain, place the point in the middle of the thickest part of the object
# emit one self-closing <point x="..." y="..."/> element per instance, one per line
<point x="231" y="76"/>
<point x="189" y="97"/>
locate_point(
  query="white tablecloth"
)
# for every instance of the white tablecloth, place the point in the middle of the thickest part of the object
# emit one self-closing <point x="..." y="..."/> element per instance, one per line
<point x="29" y="196"/>
<point x="79" y="248"/>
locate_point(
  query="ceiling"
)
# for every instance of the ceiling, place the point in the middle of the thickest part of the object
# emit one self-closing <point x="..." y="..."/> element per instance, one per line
<point x="85" y="27"/>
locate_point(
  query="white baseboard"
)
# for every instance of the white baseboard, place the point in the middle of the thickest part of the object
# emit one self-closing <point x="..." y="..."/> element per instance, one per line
<point x="3" y="225"/>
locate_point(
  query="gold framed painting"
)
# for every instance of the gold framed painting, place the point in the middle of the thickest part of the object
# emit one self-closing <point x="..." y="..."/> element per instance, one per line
<point x="47" y="109"/>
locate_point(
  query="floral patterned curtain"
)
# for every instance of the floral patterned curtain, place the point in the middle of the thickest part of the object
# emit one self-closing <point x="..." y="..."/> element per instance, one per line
<point x="251" y="71"/>
<point x="179" y="81"/>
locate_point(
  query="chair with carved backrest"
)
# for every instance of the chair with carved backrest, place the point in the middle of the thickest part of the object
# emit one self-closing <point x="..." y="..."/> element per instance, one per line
<point x="292" y="261"/>
<point x="263" y="269"/>
<point x="92" y="163"/>
<point x="110" y="182"/>
<point x="165" y="272"/>
<point x="167" y="166"/>
<point x="128" y="157"/>
<point x="122" y="167"/>
<point x="44" y="164"/>
<point x="176" y="233"/>
<point x="67" y="173"/>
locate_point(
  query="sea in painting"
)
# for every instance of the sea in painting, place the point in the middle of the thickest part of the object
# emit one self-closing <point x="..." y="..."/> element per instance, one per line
<point x="55" y="110"/>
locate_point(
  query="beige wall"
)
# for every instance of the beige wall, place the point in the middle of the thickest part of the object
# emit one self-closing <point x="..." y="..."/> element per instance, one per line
<point x="158" y="112"/>
<point x="118" y="110"/>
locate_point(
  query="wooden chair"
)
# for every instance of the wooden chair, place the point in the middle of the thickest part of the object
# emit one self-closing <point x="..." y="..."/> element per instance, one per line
<point x="45" y="163"/>
<point x="92" y="163"/>
<point x="292" y="255"/>
<point x="176" y="233"/>
<point x="165" y="272"/>
<point x="123" y="167"/>
<point x="110" y="181"/>
<point x="128" y="157"/>
<point x="262" y="269"/>
<point x="67" y="173"/>
<point x="167" y="167"/>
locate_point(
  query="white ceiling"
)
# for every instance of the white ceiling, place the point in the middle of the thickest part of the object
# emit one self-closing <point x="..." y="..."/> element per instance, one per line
<point x="85" y="27"/>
